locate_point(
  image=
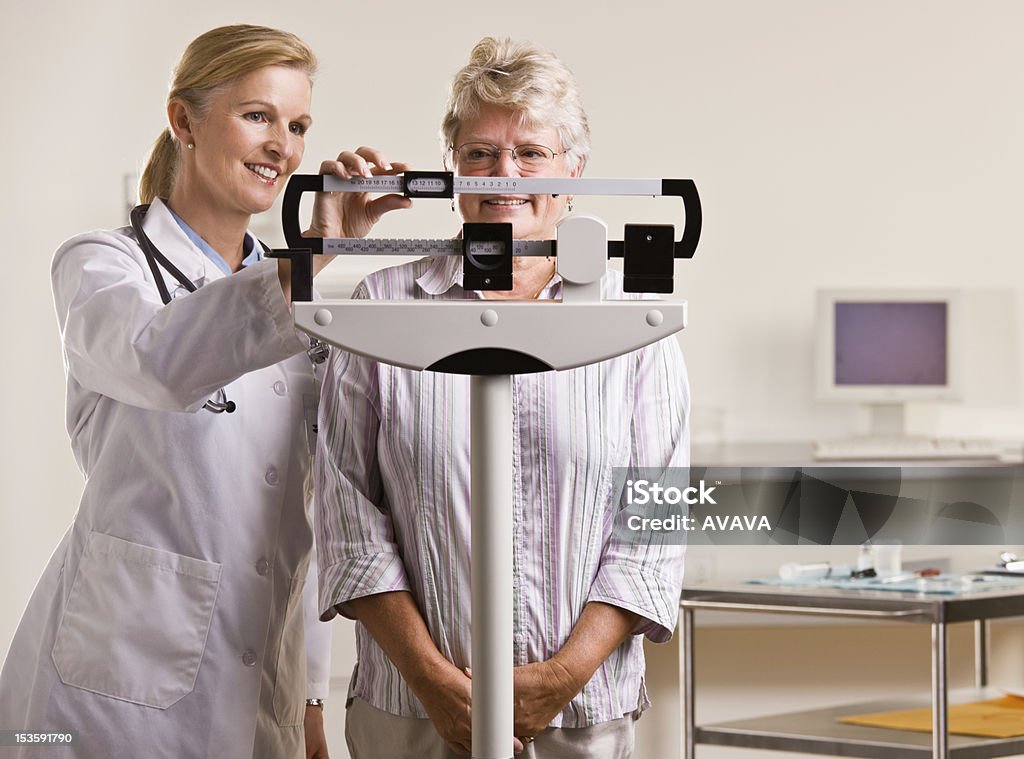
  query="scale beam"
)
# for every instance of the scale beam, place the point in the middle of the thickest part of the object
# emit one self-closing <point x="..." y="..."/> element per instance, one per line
<point x="443" y="184"/>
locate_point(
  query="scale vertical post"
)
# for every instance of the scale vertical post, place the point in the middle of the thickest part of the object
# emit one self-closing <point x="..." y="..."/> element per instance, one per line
<point x="491" y="564"/>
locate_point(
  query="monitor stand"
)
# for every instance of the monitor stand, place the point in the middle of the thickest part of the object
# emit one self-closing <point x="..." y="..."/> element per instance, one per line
<point x="887" y="420"/>
<point x="885" y="439"/>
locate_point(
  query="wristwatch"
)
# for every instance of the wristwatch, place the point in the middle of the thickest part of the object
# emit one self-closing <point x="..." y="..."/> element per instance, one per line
<point x="315" y="702"/>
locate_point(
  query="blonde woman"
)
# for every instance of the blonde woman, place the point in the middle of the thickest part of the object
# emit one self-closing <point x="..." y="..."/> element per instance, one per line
<point x="392" y="477"/>
<point x="169" y="621"/>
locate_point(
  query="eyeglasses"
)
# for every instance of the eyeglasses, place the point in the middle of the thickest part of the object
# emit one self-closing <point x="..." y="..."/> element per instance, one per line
<point x="482" y="156"/>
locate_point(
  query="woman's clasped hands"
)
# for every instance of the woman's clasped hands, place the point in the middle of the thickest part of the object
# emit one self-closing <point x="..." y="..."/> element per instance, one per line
<point x="540" y="691"/>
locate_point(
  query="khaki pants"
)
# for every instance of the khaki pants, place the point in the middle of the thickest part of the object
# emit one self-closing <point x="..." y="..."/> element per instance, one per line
<point x="375" y="734"/>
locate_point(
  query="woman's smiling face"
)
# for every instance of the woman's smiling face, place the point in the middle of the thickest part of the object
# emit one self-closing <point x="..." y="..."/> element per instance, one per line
<point x="533" y="217"/>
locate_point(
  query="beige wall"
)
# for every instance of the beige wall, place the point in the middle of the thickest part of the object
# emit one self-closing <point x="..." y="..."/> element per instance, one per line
<point x="841" y="143"/>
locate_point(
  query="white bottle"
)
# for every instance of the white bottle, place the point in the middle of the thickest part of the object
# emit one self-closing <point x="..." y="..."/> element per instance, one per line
<point x="864" y="558"/>
<point x="794" y="571"/>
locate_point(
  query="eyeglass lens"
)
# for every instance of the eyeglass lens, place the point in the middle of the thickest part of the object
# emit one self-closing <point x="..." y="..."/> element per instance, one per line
<point x="481" y="155"/>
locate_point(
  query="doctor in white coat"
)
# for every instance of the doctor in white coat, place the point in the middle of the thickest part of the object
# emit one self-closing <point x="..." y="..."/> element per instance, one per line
<point x="169" y="621"/>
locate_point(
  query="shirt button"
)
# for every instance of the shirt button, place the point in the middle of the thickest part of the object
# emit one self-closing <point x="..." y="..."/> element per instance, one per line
<point x="271" y="477"/>
<point x="249" y="658"/>
<point x="280" y="388"/>
<point x="262" y="567"/>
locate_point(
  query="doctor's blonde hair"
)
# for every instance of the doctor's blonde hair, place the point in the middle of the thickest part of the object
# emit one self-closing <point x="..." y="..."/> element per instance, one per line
<point x="212" y="61"/>
<point x="527" y="79"/>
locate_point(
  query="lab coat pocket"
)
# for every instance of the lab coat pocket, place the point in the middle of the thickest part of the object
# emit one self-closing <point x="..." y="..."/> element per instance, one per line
<point x="136" y="622"/>
<point x="290" y="688"/>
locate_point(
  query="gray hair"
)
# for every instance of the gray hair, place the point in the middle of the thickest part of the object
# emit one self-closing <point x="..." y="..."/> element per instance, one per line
<point x="526" y="79"/>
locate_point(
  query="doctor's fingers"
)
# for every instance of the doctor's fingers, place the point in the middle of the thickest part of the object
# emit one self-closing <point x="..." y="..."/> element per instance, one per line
<point x="362" y="162"/>
<point x="344" y="170"/>
<point x="361" y="213"/>
<point x="379" y="160"/>
<point x="378" y="207"/>
<point x="328" y="215"/>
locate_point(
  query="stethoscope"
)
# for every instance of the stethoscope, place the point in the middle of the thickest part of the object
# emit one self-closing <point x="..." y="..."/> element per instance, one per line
<point x="317" y="351"/>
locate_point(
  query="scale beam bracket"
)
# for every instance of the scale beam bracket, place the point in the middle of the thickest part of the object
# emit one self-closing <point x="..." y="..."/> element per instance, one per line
<point x="489" y="337"/>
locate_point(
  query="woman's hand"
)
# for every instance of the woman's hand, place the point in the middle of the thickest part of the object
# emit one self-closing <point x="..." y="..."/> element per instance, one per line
<point x="447" y="694"/>
<point x="353" y="214"/>
<point x="541" y="690"/>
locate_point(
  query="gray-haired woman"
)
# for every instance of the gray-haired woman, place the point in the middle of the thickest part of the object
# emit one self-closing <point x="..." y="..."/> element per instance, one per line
<point x="392" y="476"/>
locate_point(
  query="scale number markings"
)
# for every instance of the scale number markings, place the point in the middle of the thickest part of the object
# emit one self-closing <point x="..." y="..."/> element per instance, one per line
<point x="426" y="184"/>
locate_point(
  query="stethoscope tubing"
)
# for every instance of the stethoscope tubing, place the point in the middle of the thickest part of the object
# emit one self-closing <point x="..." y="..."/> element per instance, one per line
<point x="317" y="352"/>
<point x="156" y="259"/>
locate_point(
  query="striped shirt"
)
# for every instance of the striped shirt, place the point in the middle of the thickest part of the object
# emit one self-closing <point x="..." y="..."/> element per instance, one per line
<point x="393" y="497"/>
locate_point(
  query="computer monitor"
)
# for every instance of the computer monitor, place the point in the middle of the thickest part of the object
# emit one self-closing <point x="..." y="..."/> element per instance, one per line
<point x="886" y="348"/>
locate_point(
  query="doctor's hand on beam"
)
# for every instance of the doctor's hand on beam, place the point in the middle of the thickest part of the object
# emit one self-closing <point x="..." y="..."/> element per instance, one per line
<point x="353" y="214"/>
<point x="347" y="214"/>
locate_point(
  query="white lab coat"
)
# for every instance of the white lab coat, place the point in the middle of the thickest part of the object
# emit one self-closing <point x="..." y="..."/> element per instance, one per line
<point x="169" y="621"/>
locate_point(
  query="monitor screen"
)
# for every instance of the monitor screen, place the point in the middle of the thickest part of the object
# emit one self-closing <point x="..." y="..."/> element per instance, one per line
<point x="891" y="343"/>
<point x="888" y="345"/>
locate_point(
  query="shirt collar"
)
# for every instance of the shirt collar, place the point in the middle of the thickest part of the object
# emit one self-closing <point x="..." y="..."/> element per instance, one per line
<point x="440" y="275"/>
<point x="173" y="243"/>
<point x="443" y="273"/>
<point x="251" y="251"/>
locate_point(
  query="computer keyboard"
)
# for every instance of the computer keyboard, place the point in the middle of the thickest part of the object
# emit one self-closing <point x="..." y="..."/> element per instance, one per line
<point x="888" y="449"/>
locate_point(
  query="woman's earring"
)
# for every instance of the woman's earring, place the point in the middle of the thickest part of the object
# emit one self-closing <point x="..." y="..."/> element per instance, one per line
<point x="190" y="145"/>
<point x="453" y="205"/>
<point x="570" y="205"/>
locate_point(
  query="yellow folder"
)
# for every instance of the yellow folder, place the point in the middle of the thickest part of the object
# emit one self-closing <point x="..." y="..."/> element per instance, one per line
<point x="998" y="718"/>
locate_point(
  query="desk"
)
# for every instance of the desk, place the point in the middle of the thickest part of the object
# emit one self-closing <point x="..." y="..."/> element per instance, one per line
<point x="796" y="453"/>
<point x="817" y="732"/>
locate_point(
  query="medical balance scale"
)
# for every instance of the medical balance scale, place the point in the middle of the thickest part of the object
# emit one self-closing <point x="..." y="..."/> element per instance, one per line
<point x="492" y="340"/>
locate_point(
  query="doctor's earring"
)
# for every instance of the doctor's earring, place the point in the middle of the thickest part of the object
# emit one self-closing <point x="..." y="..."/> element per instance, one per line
<point x="570" y="205"/>
<point x="190" y="145"/>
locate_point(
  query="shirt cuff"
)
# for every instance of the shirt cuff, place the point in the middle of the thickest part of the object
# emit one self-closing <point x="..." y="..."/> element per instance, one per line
<point x="358" y="577"/>
<point x="318" y="689"/>
<point x="641" y="591"/>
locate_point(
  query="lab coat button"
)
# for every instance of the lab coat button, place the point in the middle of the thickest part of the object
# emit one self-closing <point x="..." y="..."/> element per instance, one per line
<point x="280" y="388"/>
<point x="262" y="567"/>
<point x="249" y="658"/>
<point x="271" y="477"/>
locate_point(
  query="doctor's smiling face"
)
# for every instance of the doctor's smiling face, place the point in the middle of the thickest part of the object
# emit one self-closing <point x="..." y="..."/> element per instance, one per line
<point x="246" y="144"/>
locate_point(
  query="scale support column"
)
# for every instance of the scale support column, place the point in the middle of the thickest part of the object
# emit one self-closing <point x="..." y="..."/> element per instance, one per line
<point x="491" y="564"/>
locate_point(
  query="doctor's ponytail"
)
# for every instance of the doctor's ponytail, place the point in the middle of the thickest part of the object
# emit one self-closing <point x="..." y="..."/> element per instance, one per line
<point x="158" y="177"/>
<point x="211" y="62"/>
